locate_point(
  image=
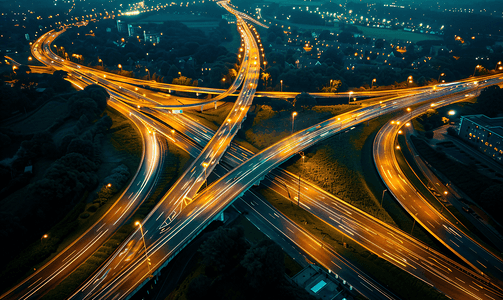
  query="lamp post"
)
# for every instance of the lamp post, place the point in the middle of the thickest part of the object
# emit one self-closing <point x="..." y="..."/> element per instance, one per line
<point x="410" y="111"/>
<point x="281" y="82"/>
<point x="373" y="80"/>
<point x="382" y="198"/>
<point x="205" y="165"/>
<point x="120" y="67"/>
<point x="298" y="194"/>
<point x="349" y="96"/>
<point x="441" y="75"/>
<point x="43" y="237"/>
<point x="101" y="61"/>
<point x="475" y="70"/>
<point x="148" y="71"/>
<point x="293" y="119"/>
<point x="410" y="79"/>
<point x="145" y="246"/>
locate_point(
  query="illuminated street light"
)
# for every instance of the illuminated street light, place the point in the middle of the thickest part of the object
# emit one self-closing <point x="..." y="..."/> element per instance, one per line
<point x="281" y="82"/>
<point x="120" y="67"/>
<point x="293" y="119"/>
<point x="476" y="67"/>
<point x="148" y="71"/>
<point x="407" y="124"/>
<point x="43" y="237"/>
<point x="373" y="80"/>
<point x="30" y="58"/>
<point x="451" y="113"/>
<point x="441" y="75"/>
<point x="101" y="61"/>
<point x="145" y="246"/>
<point x="398" y="147"/>
<point x="349" y="96"/>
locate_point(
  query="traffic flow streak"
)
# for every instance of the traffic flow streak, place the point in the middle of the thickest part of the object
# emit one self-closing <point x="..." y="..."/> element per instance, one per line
<point x="415" y="204"/>
<point x="165" y="243"/>
<point x="296" y="237"/>
<point x="390" y="243"/>
<point x="43" y="44"/>
<point x="52" y="273"/>
<point x="449" y="194"/>
<point x="191" y="181"/>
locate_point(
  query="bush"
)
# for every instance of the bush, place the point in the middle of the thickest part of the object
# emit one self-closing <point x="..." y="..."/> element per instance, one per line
<point x="452" y="131"/>
<point x="92" y="208"/>
<point x="84" y="215"/>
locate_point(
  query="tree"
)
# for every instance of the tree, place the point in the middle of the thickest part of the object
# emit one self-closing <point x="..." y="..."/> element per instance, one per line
<point x="332" y="87"/>
<point x="198" y="288"/>
<point x="490" y="198"/>
<point x="224" y="246"/>
<point x="304" y="100"/>
<point x="264" y="264"/>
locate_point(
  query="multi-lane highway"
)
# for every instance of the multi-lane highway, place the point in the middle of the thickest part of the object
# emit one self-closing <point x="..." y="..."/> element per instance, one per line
<point x="206" y="204"/>
<point x="388" y="242"/>
<point x="418" y="207"/>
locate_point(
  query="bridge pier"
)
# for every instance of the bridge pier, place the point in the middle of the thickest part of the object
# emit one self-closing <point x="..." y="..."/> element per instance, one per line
<point x="220" y="217"/>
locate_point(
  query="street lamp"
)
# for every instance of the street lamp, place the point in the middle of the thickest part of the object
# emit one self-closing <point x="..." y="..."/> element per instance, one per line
<point x="373" y="80"/>
<point x="382" y="198"/>
<point x="148" y="71"/>
<point x="410" y="78"/>
<point x="349" y="96"/>
<point x="409" y="110"/>
<point x="498" y="65"/>
<point x="476" y="67"/>
<point x="281" y="82"/>
<point x="30" y="58"/>
<point x="451" y="113"/>
<point x="120" y="67"/>
<point x="441" y="75"/>
<point x="43" y="237"/>
<point x="145" y="246"/>
<point x="298" y="194"/>
<point x="293" y="119"/>
<point x="205" y="165"/>
<point x="101" y="61"/>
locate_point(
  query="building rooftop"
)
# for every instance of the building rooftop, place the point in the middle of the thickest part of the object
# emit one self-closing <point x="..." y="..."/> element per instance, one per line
<point x="493" y="124"/>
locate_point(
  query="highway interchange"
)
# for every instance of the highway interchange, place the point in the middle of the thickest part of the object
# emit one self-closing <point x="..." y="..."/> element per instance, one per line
<point x="170" y="226"/>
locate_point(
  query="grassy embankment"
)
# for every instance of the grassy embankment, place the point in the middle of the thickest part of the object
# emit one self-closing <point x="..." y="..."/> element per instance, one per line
<point x="174" y="165"/>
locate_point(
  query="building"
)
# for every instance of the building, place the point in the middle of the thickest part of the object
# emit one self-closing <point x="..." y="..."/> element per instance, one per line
<point x="134" y="31"/>
<point x="485" y="133"/>
<point x="121" y="26"/>
<point x="152" y="37"/>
